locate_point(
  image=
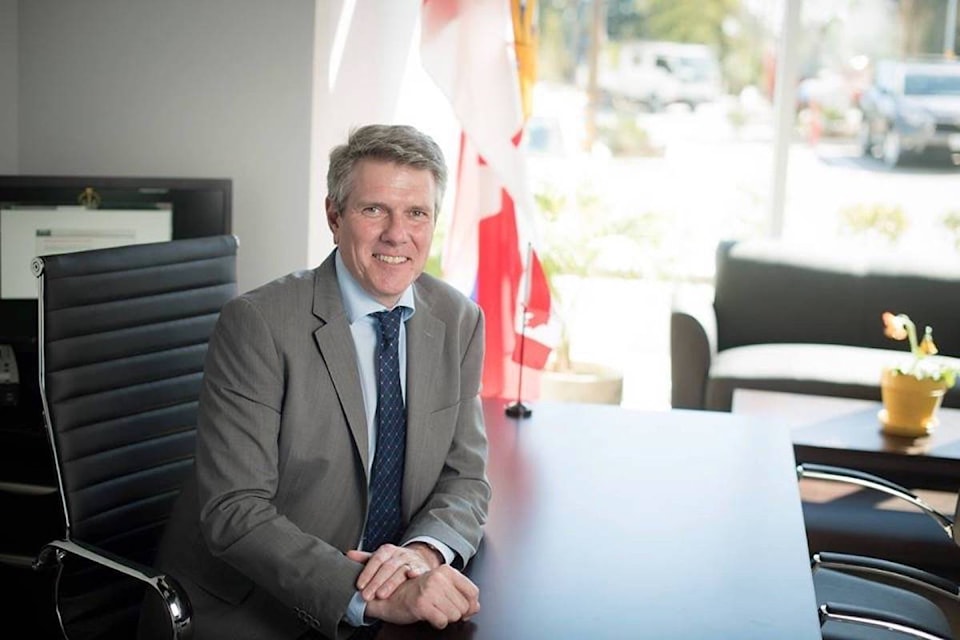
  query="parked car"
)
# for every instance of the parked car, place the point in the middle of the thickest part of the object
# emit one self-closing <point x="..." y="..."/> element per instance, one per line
<point x="912" y="108"/>
<point x="658" y="74"/>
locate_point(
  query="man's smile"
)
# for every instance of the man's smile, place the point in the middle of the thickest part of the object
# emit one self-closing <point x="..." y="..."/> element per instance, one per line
<point x="390" y="259"/>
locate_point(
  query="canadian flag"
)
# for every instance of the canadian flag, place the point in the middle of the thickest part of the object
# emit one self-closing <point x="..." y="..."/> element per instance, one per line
<point x="470" y="50"/>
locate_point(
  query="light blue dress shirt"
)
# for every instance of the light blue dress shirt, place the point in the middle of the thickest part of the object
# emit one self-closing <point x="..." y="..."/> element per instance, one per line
<point x="358" y="306"/>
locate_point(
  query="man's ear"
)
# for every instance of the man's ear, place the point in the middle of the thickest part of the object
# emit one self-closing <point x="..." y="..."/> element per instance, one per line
<point x="333" y="218"/>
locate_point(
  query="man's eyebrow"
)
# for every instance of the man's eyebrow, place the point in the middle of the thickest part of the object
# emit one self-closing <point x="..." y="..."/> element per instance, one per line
<point x="363" y="204"/>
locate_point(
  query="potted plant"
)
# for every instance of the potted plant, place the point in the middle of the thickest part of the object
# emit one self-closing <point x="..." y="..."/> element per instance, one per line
<point x="574" y="242"/>
<point x="912" y="392"/>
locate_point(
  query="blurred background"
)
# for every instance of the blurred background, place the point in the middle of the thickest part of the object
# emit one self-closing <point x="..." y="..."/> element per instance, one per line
<point x="659" y="128"/>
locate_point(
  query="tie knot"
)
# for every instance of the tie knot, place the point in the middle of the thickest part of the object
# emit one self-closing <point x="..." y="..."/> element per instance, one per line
<point x="389" y="323"/>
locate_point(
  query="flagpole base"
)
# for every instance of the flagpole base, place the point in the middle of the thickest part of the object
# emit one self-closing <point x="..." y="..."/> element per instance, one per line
<point x="518" y="410"/>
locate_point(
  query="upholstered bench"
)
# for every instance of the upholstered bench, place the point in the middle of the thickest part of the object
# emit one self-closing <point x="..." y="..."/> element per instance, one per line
<point x="802" y="319"/>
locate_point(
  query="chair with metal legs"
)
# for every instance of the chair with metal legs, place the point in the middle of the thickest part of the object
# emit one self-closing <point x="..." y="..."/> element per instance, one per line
<point x="123" y="334"/>
<point x="868" y="598"/>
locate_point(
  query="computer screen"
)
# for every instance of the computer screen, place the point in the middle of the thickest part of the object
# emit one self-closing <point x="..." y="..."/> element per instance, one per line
<point x="30" y="231"/>
<point x="41" y="215"/>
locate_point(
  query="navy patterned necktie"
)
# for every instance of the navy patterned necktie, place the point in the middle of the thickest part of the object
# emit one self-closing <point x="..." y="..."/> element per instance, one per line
<point x="384" y="522"/>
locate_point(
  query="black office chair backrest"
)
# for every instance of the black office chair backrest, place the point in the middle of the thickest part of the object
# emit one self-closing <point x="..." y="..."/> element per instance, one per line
<point x="123" y="336"/>
<point x="956" y="522"/>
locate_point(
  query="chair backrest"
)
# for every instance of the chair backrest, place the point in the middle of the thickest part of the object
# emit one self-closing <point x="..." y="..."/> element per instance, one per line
<point x="956" y="522"/>
<point x="123" y="335"/>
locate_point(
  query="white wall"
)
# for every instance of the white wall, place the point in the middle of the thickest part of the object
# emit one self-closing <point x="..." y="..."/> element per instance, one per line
<point x="180" y="88"/>
<point x="8" y="86"/>
<point x="355" y="83"/>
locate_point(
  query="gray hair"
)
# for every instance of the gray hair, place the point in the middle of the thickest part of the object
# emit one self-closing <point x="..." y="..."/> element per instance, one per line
<point x="402" y="144"/>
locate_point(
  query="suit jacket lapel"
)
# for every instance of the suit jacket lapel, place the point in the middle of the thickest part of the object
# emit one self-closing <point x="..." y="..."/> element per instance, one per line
<point x="336" y="348"/>
<point x="425" y="335"/>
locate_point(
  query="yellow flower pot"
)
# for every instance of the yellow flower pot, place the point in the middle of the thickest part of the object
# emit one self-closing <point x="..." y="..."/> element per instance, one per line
<point x="909" y="405"/>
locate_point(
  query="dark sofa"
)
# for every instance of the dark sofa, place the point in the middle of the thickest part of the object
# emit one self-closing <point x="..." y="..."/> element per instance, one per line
<point x="804" y="319"/>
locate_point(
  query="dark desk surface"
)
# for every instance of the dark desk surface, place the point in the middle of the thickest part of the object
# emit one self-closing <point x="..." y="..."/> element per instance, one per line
<point x="609" y="523"/>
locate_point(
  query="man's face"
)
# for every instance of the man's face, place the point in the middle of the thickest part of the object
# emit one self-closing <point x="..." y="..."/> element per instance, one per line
<point x="386" y="226"/>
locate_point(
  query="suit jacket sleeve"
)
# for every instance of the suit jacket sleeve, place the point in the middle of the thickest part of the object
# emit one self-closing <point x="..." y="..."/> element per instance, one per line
<point x="456" y="509"/>
<point x="238" y="475"/>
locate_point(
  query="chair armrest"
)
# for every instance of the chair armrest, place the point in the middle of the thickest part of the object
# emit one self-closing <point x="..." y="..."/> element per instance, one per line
<point x="870" y="481"/>
<point x="693" y="346"/>
<point x="862" y="564"/>
<point x="875" y="618"/>
<point x="175" y="600"/>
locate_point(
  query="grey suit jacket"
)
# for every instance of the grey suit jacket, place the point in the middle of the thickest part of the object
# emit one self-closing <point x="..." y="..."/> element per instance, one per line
<point x="259" y="533"/>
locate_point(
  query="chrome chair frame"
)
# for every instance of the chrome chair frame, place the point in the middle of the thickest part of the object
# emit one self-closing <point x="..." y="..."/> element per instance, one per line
<point x="54" y="554"/>
<point x="860" y="565"/>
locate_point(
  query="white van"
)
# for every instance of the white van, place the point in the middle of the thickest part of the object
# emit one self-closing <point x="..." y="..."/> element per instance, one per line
<point x="660" y="73"/>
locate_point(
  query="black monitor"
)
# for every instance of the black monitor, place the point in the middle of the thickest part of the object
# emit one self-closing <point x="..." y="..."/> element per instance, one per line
<point x="193" y="207"/>
<point x="183" y="207"/>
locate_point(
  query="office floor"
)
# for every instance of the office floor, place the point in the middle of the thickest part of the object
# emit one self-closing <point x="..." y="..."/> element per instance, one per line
<point x="822" y="491"/>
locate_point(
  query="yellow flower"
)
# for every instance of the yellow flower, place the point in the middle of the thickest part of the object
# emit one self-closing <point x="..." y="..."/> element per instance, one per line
<point x="901" y="327"/>
<point x="927" y="346"/>
<point x="895" y="326"/>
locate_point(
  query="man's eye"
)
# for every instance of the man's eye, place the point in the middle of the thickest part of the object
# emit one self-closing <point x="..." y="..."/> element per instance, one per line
<point x="371" y="211"/>
<point x="416" y="213"/>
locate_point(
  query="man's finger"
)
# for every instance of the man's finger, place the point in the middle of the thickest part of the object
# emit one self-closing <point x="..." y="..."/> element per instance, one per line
<point x="374" y="561"/>
<point x="389" y="563"/>
<point x="393" y="569"/>
<point x="403" y="573"/>
<point x="447" y="607"/>
<point x="358" y="556"/>
<point x="462" y="583"/>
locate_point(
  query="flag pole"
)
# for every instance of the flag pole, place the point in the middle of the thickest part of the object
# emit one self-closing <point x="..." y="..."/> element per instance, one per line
<point x="518" y="409"/>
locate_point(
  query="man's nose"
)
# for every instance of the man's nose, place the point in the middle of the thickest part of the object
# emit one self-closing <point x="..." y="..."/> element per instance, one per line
<point x="394" y="229"/>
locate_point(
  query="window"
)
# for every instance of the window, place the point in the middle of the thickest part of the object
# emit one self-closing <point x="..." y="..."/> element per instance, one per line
<point x="684" y="154"/>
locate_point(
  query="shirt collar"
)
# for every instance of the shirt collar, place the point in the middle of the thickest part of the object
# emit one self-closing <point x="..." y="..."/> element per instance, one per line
<point x="358" y="303"/>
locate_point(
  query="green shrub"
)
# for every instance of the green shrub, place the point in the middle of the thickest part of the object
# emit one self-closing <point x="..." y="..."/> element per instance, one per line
<point x="625" y="137"/>
<point x="887" y="222"/>
<point x="952" y="222"/>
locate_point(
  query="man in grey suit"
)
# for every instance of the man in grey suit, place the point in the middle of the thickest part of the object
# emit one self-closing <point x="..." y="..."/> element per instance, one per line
<point x="270" y="537"/>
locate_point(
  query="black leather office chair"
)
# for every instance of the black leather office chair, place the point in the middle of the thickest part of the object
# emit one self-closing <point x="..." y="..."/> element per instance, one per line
<point x="123" y="334"/>
<point x="867" y="598"/>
